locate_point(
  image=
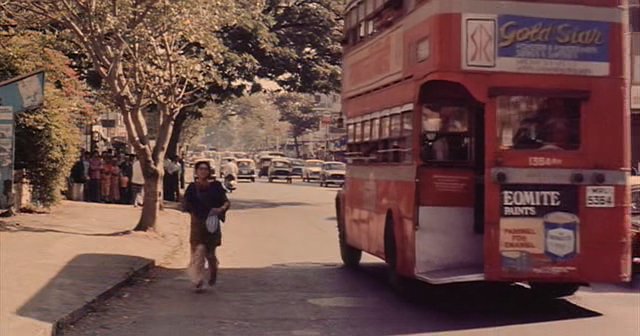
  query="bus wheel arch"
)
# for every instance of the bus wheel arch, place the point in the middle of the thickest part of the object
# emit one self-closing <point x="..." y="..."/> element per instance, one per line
<point x="396" y="280"/>
<point x="350" y="255"/>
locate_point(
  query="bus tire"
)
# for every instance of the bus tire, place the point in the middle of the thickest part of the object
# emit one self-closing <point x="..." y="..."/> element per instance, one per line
<point x="398" y="282"/>
<point x="553" y="290"/>
<point x="350" y="255"/>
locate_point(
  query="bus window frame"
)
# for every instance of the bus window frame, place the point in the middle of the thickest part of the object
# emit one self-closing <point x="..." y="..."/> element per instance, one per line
<point x="582" y="96"/>
<point x="470" y="134"/>
<point x="366" y="131"/>
<point x="375" y="126"/>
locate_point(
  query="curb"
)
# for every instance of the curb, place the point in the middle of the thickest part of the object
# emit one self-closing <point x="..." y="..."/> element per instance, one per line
<point x="59" y="325"/>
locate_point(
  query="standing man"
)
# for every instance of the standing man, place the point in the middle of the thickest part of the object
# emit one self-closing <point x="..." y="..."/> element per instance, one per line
<point x="126" y="169"/>
<point x="78" y="179"/>
<point x="170" y="179"/>
<point x="137" y="183"/>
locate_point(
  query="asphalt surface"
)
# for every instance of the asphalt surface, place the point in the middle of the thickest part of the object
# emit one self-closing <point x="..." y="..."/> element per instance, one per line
<point x="281" y="275"/>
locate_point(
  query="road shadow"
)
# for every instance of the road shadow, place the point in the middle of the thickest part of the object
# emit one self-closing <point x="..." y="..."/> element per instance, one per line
<point x="249" y="204"/>
<point x="321" y="299"/>
<point x="300" y="184"/>
<point x="85" y="278"/>
<point x="16" y="228"/>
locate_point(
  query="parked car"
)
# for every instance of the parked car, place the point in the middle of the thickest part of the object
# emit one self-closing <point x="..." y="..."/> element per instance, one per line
<point x="635" y="223"/>
<point x="297" y="167"/>
<point x="332" y="173"/>
<point x="246" y="169"/>
<point x="280" y="169"/>
<point x="311" y="170"/>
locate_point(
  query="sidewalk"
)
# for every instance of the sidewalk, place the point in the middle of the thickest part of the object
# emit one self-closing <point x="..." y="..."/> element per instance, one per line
<point x="52" y="265"/>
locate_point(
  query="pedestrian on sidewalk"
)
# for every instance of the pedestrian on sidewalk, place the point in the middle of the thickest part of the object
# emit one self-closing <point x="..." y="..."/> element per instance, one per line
<point x="170" y="179"/>
<point x="78" y="180"/>
<point x="137" y="182"/>
<point x="126" y="169"/>
<point x="107" y="168"/>
<point x="115" y="180"/>
<point x="202" y="200"/>
<point x="95" y="170"/>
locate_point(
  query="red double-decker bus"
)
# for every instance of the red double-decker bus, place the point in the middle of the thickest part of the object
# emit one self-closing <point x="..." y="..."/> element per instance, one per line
<point x="488" y="140"/>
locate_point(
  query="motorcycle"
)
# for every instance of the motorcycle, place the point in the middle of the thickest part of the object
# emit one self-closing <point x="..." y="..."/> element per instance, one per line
<point x="230" y="182"/>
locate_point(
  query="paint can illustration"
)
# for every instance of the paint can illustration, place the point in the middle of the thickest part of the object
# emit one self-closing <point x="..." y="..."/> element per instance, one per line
<point x="561" y="235"/>
<point x="516" y="261"/>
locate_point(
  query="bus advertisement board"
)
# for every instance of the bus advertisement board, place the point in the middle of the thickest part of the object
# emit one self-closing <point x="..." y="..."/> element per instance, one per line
<point x="524" y="44"/>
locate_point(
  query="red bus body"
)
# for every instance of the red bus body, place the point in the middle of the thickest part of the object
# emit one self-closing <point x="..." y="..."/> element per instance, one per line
<point x="500" y="214"/>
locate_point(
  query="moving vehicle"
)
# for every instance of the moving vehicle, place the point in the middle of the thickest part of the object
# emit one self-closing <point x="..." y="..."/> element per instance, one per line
<point x="311" y="170"/>
<point x="475" y="157"/>
<point x="298" y="167"/>
<point x="223" y="163"/>
<point x="333" y="172"/>
<point x="263" y="165"/>
<point x="280" y="169"/>
<point x="246" y="169"/>
<point x="271" y="154"/>
<point x="240" y="155"/>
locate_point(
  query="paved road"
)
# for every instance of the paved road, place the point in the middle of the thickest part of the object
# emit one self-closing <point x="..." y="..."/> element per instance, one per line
<point x="280" y="275"/>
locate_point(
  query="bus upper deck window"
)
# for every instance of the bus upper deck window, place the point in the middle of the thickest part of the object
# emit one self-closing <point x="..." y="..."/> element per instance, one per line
<point x="446" y="135"/>
<point x="538" y="123"/>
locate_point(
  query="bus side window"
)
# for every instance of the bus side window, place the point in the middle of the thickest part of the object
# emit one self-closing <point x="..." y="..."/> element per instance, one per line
<point x="384" y="142"/>
<point x="407" y="134"/>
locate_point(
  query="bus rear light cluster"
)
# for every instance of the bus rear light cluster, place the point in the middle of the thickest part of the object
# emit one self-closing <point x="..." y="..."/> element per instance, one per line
<point x="501" y="177"/>
<point x="599" y="178"/>
<point x="577" y="178"/>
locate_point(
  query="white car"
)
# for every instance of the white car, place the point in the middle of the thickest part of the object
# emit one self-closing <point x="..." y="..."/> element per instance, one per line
<point x="311" y="170"/>
<point x="333" y="173"/>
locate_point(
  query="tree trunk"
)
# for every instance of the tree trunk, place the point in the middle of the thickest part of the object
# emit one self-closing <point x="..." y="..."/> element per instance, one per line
<point x="295" y="143"/>
<point x="152" y="202"/>
<point x="172" y="148"/>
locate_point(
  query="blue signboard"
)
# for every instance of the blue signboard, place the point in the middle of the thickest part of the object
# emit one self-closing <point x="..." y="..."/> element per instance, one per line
<point x="528" y="37"/>
<point x="23" y="93"/>
<point x="513" y="43"/>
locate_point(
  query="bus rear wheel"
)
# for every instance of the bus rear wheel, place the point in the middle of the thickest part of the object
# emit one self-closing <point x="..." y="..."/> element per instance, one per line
<point x="398" y="282"/>
<point x="350" y="255"/>
<point x="553" y="290"/>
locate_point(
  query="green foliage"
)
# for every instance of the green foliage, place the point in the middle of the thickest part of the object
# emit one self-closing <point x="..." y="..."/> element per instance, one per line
<point x="297" y="109"/>
<point x="294" y="43"/>
<point x="47" y="139"/>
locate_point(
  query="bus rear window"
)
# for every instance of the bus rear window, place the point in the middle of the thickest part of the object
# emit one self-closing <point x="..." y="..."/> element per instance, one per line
<point x="538" y="123"/>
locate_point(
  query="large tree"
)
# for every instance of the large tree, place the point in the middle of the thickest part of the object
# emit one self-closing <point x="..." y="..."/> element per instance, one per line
<point x="150" y="55"/>
<point x="47" y="138"/>
<point x="295" y="44"/>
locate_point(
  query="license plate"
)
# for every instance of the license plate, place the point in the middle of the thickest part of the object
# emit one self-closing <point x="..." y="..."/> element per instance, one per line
<point x="600" y="197"/>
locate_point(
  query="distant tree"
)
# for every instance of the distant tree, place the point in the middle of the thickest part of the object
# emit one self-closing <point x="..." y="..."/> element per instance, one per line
<point x="298" y="110"/>
<point x="149" y="55"/>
